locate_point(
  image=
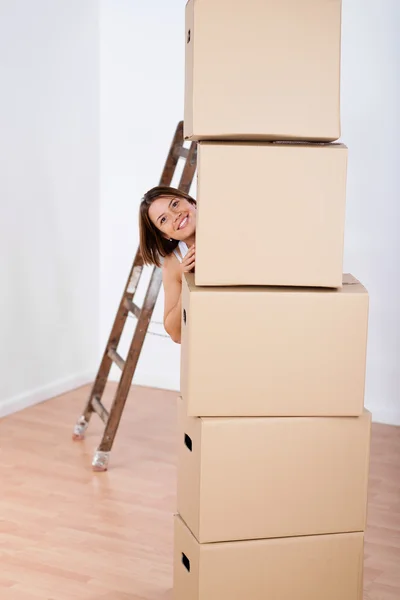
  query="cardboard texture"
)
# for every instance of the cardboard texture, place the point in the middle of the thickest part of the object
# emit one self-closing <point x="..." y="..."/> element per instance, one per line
<point x="267" y="70"/>
<point x="250" y="478"/>
<point x="279" y="220"/>
<point x="326" y="567"/>
<point x="270" y="351"/>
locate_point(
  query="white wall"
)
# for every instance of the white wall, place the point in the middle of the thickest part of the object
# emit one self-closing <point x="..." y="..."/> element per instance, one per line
<point x="142" y="79"/>
<point x="49" y="198"/>
<point x="371" y="130"/>
<point x="142" y="48"/>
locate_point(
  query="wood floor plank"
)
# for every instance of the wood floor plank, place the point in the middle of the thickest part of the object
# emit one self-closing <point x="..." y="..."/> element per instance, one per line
<point x="69" y="533"/>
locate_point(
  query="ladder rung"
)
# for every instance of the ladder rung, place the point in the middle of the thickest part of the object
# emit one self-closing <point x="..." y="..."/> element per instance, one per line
<point x="100" y="410"/>
<point x="132" y="307"/>
<point x="113" y="354"/>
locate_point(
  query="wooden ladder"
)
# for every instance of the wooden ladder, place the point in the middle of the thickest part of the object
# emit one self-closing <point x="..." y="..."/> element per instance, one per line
<point x="112" y="418"/>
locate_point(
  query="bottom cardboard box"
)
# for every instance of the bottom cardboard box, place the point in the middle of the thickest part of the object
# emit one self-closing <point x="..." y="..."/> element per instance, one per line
<point x="320" y="567"/>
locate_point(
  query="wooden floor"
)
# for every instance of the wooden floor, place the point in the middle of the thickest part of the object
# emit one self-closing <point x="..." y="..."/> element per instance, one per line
<point x="67" y="533"/>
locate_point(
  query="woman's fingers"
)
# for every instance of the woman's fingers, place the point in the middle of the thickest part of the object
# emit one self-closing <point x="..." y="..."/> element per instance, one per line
<point x="190" y="253"/>
<point x="188" y="258"/>
<point x="189" y="266"/>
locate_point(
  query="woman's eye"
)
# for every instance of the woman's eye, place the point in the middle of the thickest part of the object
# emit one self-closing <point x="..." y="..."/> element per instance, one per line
<point x="162" y="221"/>
<point x="175" y="204"/>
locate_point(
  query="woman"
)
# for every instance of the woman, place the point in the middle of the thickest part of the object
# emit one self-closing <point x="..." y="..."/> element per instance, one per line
<point x="167" y="224"/>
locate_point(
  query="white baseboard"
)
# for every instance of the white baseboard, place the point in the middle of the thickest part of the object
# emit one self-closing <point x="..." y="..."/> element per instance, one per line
<point x="17" y="403"/>
<point x="161" y="382"/>
<point x="151" y="379"/>
<point x="386" y="417"/>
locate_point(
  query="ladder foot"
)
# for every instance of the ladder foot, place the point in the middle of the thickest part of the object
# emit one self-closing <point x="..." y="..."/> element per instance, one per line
<point x="79" y="429"/>
<point x="100" y="461"/>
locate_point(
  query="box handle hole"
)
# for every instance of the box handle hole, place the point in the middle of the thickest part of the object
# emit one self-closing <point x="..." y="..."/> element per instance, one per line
<point x="184" y="316"/>
<point x="188" y="442"/>
<point x="186" y="562"/>
<point x="188" y="37"/>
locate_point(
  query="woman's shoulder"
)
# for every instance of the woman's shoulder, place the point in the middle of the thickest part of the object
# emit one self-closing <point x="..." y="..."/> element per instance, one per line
<point x="171" y="266"/>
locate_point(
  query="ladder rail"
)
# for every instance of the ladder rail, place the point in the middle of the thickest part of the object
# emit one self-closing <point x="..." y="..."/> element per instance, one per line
<point x="130" y="365"/>
<point x="173" y="156"/>
<point x="189" y="169"/>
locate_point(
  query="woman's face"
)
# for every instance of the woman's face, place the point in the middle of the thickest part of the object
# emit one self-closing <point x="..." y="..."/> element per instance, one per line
<point x="174" y="217"/>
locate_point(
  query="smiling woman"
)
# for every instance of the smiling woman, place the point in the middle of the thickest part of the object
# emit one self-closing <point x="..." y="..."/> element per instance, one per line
<point x="167" y="223"/>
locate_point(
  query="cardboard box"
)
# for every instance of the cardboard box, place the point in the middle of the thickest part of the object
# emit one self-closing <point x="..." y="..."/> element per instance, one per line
<point x="325" y="567"/>
<point x="263" y="70"/>
<point x="266" y="351"/>
<point x="270" y="214"/>
<point x="256" y="477"/>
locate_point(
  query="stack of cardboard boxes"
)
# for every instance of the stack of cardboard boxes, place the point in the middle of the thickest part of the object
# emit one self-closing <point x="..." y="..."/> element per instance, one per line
<point x="273" y="435"/>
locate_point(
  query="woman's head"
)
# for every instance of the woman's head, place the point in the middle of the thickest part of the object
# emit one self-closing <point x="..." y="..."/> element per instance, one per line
<point x="167" y="216"/>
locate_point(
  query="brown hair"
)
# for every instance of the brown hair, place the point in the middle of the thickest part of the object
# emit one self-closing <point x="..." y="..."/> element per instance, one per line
<point x="153" y="245"/>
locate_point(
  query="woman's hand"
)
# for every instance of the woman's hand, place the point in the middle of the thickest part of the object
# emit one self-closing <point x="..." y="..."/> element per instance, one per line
<point x="172" y="280"/>
<point x="188" y="262"/>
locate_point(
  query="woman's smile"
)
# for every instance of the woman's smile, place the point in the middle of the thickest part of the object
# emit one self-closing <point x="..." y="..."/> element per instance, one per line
<point x="183" y="221"/>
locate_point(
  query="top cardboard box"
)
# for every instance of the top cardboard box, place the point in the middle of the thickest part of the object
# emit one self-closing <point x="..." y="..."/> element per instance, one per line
<point x="263" y="70"/>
